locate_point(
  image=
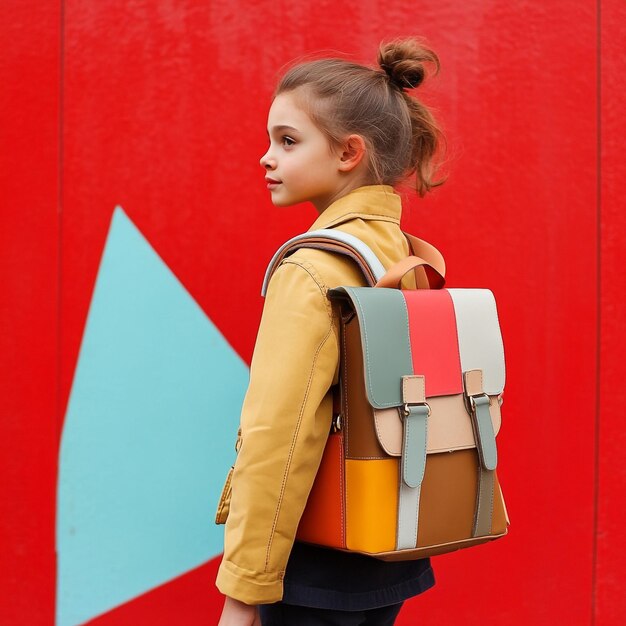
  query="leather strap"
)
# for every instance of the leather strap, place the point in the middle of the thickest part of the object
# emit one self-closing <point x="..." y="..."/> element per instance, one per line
<point x="428" y="274"/>
<point x="414" y="445"/>
<point x="483" y="427"/>
<point x="413" y="461"/>
<point x="428" y="252"/>
<point x="484" y="502"/>
<point x="478" y="406"/>
<point x="478" y="403"/>
<point x="334" y="241"/>
<point x="429" y="279"/>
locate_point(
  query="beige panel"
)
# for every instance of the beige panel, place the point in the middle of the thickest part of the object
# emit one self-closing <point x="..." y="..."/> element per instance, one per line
<point x="449" y="425"/>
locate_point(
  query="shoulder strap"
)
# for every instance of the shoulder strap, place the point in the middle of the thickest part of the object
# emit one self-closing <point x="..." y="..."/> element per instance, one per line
<point x="333" y="241"/>
<point x="344" y="243"/>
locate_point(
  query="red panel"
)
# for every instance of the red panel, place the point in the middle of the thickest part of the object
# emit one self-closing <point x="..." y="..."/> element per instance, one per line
<point x="611" y="536"/>
<point x="434" y="341"/>
<point x="29" y="418"/>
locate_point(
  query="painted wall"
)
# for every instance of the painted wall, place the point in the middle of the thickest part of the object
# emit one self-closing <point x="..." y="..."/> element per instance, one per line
<point x="133" y="210"/>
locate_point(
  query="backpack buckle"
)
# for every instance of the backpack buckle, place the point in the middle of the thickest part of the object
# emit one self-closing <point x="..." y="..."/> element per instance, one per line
<point x="336" y="423"/>
<point x="407" y="411"/>
<point x="472" y="400"/>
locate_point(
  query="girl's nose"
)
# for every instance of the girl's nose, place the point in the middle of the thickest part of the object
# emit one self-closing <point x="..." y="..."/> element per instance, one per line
<point x="266" y="161"/>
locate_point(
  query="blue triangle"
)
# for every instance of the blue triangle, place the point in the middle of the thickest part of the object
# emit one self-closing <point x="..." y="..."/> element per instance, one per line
<point x="148" y="435"/>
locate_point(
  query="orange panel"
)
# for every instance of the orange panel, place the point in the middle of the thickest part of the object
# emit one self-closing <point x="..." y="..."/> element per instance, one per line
<point x="371" y="504"/>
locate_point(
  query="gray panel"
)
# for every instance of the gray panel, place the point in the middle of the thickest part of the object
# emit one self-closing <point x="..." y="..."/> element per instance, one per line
<point x="384" y="326"/>
<point x="484" y="502"/>
<point x="483" y="429"/>
<point x="414" y="445"/>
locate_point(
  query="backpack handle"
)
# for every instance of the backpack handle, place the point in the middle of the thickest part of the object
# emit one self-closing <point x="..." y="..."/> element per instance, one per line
<point x="428" y="278"/>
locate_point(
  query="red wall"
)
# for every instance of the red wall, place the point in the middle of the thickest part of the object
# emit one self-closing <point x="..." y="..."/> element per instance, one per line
<point x="161" y="107"/>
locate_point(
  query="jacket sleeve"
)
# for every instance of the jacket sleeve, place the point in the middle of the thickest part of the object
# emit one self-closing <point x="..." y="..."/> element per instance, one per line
<point x="285" y="421"/>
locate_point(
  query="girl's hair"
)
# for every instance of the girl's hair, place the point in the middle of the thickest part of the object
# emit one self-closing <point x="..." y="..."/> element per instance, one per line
<point x="342" y="97"/>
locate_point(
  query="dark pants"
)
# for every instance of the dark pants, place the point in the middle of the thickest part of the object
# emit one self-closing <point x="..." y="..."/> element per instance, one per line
<point x="280" y="614"/>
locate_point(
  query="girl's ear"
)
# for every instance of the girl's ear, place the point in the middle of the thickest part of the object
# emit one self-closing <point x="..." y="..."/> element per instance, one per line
<point x="351" y="152"/>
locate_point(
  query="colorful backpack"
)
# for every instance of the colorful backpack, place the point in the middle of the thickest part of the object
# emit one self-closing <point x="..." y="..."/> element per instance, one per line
<point x="409" y="469"/>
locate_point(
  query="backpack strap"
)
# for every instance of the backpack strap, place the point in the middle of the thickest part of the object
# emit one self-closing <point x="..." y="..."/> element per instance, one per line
<point x="344" y="243"/>
<point x="333" y="241"/>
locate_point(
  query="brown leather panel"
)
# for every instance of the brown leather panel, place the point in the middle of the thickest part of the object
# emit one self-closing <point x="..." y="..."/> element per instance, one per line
<point x="360" y="434"/>
<point x="448" y="498"/>
<point x="449" y="425"/>
<point x="421" y="553"/>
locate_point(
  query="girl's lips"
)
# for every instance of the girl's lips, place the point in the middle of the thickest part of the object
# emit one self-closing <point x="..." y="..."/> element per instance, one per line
<point x="272" y="183"/>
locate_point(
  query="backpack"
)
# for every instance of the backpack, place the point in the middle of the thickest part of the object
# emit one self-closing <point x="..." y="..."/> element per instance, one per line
<point x="409" y="467"/>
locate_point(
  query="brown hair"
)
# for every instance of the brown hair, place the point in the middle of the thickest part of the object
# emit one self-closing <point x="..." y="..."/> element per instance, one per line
<point x="342" y="97"/>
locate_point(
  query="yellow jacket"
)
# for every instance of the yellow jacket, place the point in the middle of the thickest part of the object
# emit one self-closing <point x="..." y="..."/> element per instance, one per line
<point x="287" y="409"/>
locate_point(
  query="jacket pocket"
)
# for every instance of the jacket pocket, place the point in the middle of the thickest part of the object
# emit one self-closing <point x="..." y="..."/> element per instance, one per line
<point x="223" y="506"/>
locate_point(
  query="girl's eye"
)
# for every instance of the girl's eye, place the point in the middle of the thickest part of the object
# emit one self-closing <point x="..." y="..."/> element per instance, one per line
<point x="288" y="140"/>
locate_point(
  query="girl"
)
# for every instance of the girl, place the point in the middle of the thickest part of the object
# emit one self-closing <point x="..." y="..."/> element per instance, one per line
<point x="341" y="136"/>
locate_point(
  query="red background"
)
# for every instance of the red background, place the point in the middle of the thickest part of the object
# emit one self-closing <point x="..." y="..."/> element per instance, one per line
<point x="161" y="107"/>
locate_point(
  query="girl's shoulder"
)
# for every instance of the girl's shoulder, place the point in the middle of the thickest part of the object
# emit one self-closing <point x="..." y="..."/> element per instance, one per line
<point x="330" y="269"/>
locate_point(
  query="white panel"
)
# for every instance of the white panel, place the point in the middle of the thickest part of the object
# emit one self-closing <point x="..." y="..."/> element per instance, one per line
<point x="408" y="514"/>
<point x="480" y="340"/>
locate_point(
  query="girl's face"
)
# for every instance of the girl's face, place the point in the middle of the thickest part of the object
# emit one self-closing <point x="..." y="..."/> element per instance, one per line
<point x="300" y="164"/>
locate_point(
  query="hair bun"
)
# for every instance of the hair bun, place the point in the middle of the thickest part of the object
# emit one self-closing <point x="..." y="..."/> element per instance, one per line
<point x="404" y="61"/>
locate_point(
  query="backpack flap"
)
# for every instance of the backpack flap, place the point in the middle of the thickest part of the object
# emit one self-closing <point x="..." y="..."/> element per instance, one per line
<point x="439" y="334"/>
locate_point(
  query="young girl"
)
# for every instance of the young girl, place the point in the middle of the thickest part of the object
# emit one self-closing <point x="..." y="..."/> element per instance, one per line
<point x="341" y="136"/>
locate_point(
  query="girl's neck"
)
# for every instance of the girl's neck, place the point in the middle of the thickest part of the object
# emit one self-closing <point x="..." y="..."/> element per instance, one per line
<point x="322" y="204"/>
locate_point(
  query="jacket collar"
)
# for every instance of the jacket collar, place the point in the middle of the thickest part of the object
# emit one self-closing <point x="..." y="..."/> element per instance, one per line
<point x="370" y="202"/>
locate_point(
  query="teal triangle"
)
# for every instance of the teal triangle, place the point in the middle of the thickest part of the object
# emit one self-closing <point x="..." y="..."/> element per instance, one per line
<point x="148" y="435"/>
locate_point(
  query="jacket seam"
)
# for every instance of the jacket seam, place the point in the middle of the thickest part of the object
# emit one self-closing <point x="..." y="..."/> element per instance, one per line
<point x="310" y="270"/>
<point x="308" y="267"/>
<point x="291" y="449"/>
